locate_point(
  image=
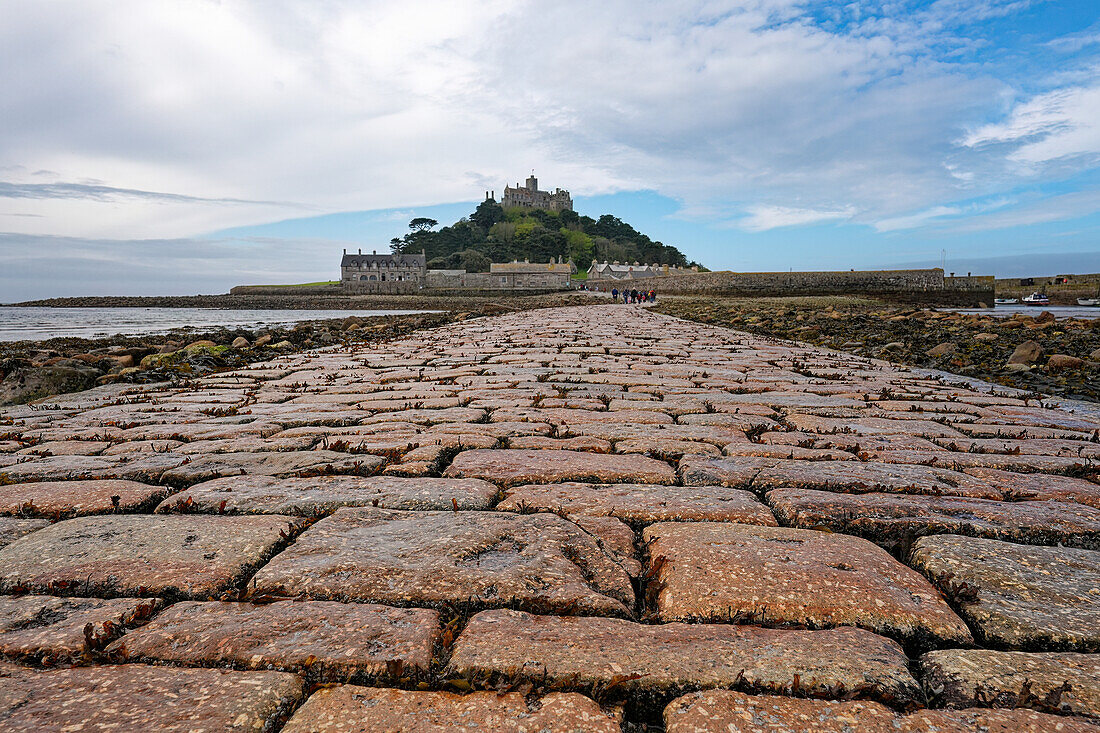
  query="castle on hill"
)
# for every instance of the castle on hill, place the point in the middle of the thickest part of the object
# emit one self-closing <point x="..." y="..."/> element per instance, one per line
<point x="529" y="196"/>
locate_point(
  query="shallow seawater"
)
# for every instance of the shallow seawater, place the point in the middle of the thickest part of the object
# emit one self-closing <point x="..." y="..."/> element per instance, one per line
<point x="19" y="323"/>
<point x="1058" y="311"/>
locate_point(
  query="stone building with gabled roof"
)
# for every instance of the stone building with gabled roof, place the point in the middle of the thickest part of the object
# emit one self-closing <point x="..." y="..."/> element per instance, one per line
<point x="626" y="271"/>
<point x="515" y="266"/>
<point x="383" y="272"/>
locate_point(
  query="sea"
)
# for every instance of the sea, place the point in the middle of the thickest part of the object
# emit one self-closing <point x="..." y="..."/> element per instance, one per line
<point x="1058" y="311"/>
<point x="18" y="323"/>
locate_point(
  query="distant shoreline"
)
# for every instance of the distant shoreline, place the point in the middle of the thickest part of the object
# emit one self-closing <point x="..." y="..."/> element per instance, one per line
<point x="297" y="302"/>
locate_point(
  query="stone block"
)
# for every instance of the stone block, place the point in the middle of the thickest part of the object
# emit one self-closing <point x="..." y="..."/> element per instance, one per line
<point x="12" y="529"/>
<point x="890" y="519"/>
<point x="286" y="463"/>
<point x="46" y="628"/>
<point x="348" y="709"/>
<point x="511" y="467"/>
<point x="640" y="503"/>
<point x="659" y="660"/>
<point x="139" y="555"/>
<point x="709" y="571"/>
<point x="733" y="712"/>
<point x="72" y="498"/>
<point x="320" y="495"/>
<point x="136" y="697"/>
<point x="1018" y="596"/>
<point x="980" y="677"/>
<point x="473" y="559"/>
<point x="322" y="639"/>
<point x="847" y="476"/>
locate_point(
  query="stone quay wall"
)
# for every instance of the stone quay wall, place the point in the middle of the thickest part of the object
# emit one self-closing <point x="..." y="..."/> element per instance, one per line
<point x="506" y="281"/>
<point x="918" y="286"/>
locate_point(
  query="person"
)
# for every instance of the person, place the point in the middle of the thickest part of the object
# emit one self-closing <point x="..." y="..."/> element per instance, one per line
<point x="614" y="294"/>
<point x="652" y="296"/>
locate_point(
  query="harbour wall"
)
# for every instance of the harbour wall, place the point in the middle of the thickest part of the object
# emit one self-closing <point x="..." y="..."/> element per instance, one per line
<point x="928" y="287"/>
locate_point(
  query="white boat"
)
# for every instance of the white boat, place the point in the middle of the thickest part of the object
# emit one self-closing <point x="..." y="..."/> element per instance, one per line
<point x="1090" y="302"/>
<point x="1036" y="299"/>
<point x="1006" y="301"/>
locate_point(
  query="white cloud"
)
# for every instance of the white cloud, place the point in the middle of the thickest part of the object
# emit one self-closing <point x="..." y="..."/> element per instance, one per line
<point x="919" y="219"/>
<point x="1051" y="127"/>
<point x="249" y="111"/>
<point x="762" y="218"/>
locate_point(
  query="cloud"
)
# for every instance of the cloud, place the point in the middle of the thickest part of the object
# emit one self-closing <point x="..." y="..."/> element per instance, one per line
<point x="157" y="120"/>
<point x="365" y="105"/>
<point x="1056" y="126"/>
<point x="1037" y="210"/>
<point x="762" y="218"/>
<point x="96" y="192"/>
<point x="77" y="266"/>
<point x="939" y="215"/>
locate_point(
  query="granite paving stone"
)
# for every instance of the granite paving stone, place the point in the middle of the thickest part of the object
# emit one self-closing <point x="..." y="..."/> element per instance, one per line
<point x="957" y="461"/>
<point x="321" y="639"/>
<point x="349" y="708"/>
<point x="12" y="529"/>
<point x="849" y="476"/>
<point x="146" y="468"/>
<point x="538" y="442"/>
<point x="662" y="659"/>
<point x="979" y="677"/>
<point x="890" y="519"/>
<point x="288" y="463"/>
<point x="1040" y="486"/>
<point x="47" y="628"/>
<point x="712" y="711"/>
<point x="320" y="495"/>
<point x="640" y="503"/>
<point x="712" y="571"/>
<point x="665" y="449"/>
<point x="1018" y="596"/>
<point x="511" y="467"/>
<point x="135" y="697"/>
<point x="71" y="498"/>
<point x="139" y="555"/>
<point x="476" y="559"/>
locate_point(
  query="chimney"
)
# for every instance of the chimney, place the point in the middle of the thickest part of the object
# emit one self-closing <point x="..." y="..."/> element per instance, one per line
<point x="345" y="250"/>
<point x="360" y="250"/>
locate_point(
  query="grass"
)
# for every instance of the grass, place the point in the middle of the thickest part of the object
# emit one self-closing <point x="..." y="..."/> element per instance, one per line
<point x="304" y="285"/>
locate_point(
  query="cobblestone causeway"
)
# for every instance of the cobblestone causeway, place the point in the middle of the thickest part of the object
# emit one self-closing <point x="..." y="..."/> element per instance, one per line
<point x="575" y="519"/>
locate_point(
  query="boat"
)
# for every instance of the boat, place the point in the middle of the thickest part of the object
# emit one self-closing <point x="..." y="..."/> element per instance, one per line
<point x="1006" y="301"/>
<point x="1036" y="299"/>
<point x="1089" y="302"/>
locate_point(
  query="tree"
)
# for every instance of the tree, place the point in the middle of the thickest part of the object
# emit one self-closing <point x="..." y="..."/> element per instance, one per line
<point x="487" y="214"/>
<point x="474" y="261"/>
<point x="422" y="224"/>
<point x="397" y="245"/>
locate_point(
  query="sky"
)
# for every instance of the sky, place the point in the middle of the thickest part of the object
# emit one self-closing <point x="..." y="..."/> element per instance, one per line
<point x="176" y="147"/>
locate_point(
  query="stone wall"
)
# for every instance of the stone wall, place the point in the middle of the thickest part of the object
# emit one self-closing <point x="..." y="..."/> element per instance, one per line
<point x="794" y="283"/>
<point x="526" y="281"/>
<point x="918" y="286"/>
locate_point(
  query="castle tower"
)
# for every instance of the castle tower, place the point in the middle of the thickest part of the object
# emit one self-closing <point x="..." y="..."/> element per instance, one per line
<point x="532" y="183"/>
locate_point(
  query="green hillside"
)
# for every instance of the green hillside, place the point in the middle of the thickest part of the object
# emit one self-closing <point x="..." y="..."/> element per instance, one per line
<point x="495" y="234"/>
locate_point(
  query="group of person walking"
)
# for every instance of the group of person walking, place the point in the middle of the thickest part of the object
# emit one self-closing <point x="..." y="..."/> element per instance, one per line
<point x="634" y="296"/>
